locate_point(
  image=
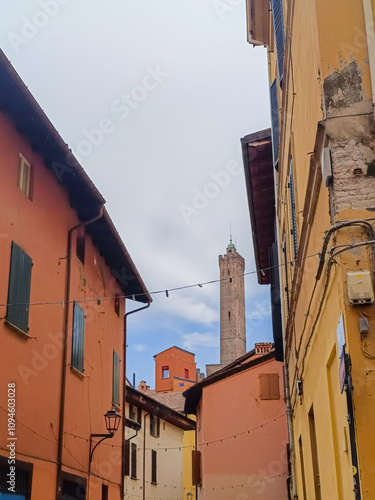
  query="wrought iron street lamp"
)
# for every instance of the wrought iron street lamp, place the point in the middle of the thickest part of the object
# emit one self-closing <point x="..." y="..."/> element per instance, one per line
<point x="112" y="422"/>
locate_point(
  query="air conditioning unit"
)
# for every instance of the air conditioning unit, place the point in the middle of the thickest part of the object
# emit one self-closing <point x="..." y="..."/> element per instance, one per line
<point x="360" y="289"/>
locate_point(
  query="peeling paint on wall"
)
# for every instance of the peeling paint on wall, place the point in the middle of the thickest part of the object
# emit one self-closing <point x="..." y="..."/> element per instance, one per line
<point x="343" y="88"/>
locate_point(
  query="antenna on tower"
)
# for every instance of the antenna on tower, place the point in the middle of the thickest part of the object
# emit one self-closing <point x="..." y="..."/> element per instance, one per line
<point x="230" y="231"/>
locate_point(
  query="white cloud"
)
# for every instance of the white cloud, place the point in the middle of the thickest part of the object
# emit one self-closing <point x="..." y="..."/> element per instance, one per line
<point x="196" y="339"/>
<point x="138" y="347"/>
<point x="261" y="310"/>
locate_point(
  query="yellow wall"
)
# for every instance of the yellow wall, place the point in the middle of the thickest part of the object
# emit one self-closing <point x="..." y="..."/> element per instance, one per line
<point x="327" y="45"/>
<point x="169" y="447"/>
<point x="188" y="446"/>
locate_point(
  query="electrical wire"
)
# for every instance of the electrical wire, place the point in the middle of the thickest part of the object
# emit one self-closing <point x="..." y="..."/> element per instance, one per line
<point x="156" y="292"/>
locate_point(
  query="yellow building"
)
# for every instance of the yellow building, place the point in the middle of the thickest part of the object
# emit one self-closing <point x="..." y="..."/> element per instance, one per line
<point x="154" y="449"/>
<point x="321" y="60"/>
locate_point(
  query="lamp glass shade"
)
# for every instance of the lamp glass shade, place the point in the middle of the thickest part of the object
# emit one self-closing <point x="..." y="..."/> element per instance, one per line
<point x="112" y="420"/>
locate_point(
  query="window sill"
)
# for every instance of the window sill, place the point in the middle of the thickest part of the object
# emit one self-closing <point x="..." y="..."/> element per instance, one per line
<point x="117" y="406"/>
<point x="15" y="328"/>
<point x="135" y="478"/>
<point x="152" y="482"/>
<point x="77" y="372"/>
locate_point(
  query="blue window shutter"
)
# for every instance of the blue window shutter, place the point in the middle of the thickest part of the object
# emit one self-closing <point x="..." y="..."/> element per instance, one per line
<point x="19" y="289"/>
<point x="275" y="124"/>
<point x="116" y="379"/>
<point x="278" y="26"/>
<point x="293" y="209"/>
<point x="78" y="337"/>
<point x="276" y="302"/>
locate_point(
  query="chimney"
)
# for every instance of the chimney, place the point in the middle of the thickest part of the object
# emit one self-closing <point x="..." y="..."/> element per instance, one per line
<point x="262" y="348"/>
<point x="143" y="387"/>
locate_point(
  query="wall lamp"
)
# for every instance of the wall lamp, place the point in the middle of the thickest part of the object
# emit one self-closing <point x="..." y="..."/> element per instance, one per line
<point x="112" y="422"/>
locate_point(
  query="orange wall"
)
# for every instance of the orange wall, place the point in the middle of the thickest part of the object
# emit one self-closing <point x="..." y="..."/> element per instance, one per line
<point x="40" y="228"/>
<point x="242" y="439"/>
<point x="177" y="360"/>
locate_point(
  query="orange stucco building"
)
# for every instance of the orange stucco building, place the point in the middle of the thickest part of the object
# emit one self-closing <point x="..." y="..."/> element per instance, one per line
<point x="175" y="370"/>
<point x="242" y="435"/>
<point x="63" y="277"/>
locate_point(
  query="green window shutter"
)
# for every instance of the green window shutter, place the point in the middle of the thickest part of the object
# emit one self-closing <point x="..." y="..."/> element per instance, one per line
<point x="78" y="337"/>
<point x="133" y="461"/>
<point x="293" y="209"/>
<point x="275" y="124"/>
<point x="19" y="289"/>
<point x="278" y="26"/>
<point x="154" y="467"/>
<point x="116" y="379"/>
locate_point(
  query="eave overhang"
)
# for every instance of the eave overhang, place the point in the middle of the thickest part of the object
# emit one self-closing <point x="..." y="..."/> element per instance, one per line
<point x="259" y="178"/>
<point x="18" y="104"/>
<point x="150" y="405"/>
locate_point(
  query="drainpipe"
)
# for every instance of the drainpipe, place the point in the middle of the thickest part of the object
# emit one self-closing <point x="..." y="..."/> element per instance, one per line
<point x="124" y="397"/>
<point x="369" y="23"/>
<point x="65" y="351"/>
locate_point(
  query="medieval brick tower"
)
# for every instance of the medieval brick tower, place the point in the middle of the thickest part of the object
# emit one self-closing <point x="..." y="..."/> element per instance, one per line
<point x="232" y="305"/>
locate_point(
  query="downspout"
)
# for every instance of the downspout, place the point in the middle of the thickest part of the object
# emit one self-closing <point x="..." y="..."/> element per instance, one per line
<point x="65" y="350"/>
<point x="144" y="457"/>
<point x="369" y="24"/>
<point x="124" y="398"/>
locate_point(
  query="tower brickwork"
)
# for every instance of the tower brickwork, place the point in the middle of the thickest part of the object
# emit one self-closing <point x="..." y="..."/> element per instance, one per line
<point x="232" y="305"/>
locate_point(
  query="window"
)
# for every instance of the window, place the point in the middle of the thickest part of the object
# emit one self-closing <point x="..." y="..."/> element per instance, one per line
<point x="73" y="487"/>
<point x="24" y="176"/>
<point x="154" y="426"/>
<point x="275" y="124"/>
<point x="153" y="467"/>
<point x="286" y="263"/>
<point x="165" y="372"/>
<point x="116" y="379"/>
<point x="80" y="249"/>
<point x="196" y="467"/>
<point x="104" y="492"/>
<point x="23" y="480"/>
<point x="78" y="337"/>
<point x="278" y="26"/>
<point x="134" y="462"/>
<point x="269" y="386"/>
<point x="17" y="313"/>
<point x="186" y="373"/>
<point x="314" y="453"/>
<point x="230" y="280"/>
<point x="229" y="315"/>
<point x="131" y="412"/>
<point x="302" y="465"/>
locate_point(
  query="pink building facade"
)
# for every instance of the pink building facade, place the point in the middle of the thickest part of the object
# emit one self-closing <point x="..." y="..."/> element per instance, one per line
<point x="242" y="436"/>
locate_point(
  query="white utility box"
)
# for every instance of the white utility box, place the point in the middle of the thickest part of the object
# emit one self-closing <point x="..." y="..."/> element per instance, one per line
<point x="360" y="289"/>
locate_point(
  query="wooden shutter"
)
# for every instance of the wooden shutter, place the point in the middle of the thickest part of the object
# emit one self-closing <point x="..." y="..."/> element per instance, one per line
<point x="196" y="467"/>
<point x="278" y="26"/>
<point x="127" y="458"/>
<point x="276" y="303"/>
<point x="134" y="461"/>
<point x="293" y="210"/>
<point x="19" y="289"/>
<point x="139" y="416"/>
<point x="275" y="122"/>
<point x="116" y="379"/>
<point x="269" y="386"/>
<point x="153" y="466"/>
<point x="78" y="337"/>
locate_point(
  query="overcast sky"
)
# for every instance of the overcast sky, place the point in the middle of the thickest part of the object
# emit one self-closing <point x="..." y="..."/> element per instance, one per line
<point x="153" y="97"/>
